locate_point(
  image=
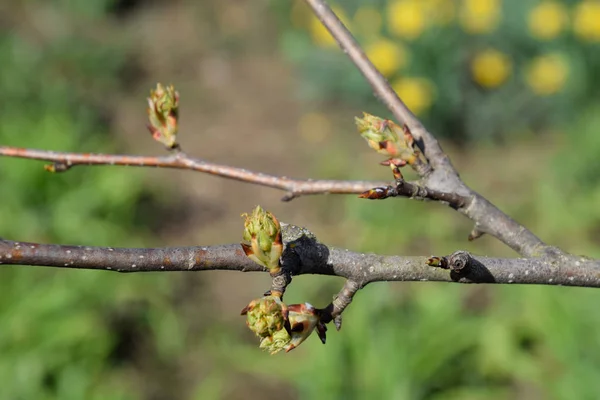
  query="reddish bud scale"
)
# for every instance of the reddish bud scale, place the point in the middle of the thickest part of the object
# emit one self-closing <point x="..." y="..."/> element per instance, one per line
<point x="378" y="193"/>
<point x="396" y="172"/>
<point x="163" y="115"/>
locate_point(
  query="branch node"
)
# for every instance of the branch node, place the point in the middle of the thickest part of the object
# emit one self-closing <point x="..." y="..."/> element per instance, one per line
<point x="475" y="234"/>
<point x="279" y="282"/>
<point x="333" y="312"/>
<point x="289" y="196"/>
<point x="460" y="261"/>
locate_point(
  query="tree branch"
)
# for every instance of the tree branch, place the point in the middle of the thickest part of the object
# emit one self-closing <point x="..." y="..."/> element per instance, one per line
<point x="304" y="254"/>
<point x="444" y="178"/>
<point x="441" y="183"/>
<point x="62" y="162"/>
<point x="224" y="257"/>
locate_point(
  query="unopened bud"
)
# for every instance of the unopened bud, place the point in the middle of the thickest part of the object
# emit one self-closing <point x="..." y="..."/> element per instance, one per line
<point x="163" y="112"/>
<point x="282" y="327"/>
<point x="386" y="137"/>
<point x="267" y="317"/>
<point x="262" y="239"/>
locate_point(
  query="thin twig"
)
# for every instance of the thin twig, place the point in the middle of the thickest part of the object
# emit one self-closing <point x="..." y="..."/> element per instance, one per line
<point x="294" y="187"/>
<point x="415" y="191"/>
<point x="333" y="312"/>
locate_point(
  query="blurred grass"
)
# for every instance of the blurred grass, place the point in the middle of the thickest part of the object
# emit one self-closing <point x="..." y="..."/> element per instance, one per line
<point x="83" y="334"/>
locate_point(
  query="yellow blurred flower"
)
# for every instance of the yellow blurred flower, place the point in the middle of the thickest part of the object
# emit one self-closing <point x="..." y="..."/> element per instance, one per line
<point x="547" y="20"/>
<point x="491" y="68"/>
<point x="367" y="21"/>
<point x="406" y="18"/>
<point x="387" y="56"/>
<point x="547" y="74"/>
<point x="480" y="16"/>
<point x="586" y="20"/>
<point x="417" y="93"/>
<point x="320" y="35"/>
<point x="440" y="12"/>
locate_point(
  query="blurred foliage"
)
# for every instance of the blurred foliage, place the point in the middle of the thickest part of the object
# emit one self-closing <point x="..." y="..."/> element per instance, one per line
<point x="467" y="67"/>
<point x="65" y="333"/>
<point x="473" y="69"/>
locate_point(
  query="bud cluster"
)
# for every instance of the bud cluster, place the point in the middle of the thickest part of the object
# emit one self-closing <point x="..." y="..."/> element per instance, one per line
<point x="279" y="326"/>
<point x="386" y="137"/>
<point x="282" y="327"/>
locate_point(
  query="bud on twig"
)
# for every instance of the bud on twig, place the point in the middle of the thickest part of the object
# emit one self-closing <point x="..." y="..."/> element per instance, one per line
<point x="282" y="327"/>
<point x="439" y="262"/>
<point x="163" y="111"/>
<point x="262" y="239"/>
<point x="267" y="317"/>
<point x="386" y="137"/>
<point x="378" y="193"/>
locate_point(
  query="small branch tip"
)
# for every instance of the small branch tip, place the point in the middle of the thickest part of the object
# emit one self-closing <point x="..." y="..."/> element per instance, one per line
<point x="475" y="234"/>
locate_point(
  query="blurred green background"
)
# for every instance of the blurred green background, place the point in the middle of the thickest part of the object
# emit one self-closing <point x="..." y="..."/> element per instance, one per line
<point x="511" y="88"/>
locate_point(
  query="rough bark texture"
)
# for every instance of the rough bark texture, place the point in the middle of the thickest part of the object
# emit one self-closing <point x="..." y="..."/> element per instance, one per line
<point x="304" y="254"/>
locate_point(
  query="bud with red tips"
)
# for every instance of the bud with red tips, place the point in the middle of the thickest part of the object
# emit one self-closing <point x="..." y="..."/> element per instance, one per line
<point x="378" y="193"/>
<point x="163" y="113"/>
<point x="386" y="137"/>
